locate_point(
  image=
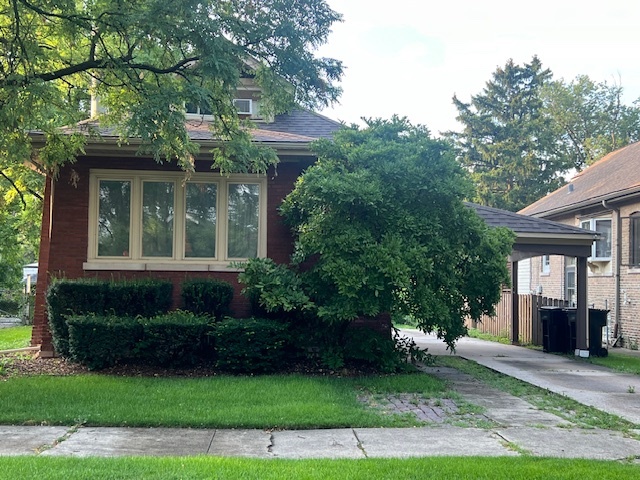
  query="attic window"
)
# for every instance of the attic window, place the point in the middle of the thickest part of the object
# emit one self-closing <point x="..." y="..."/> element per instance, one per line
<point x="199" y="110"/>
<point x="243" y="106"/>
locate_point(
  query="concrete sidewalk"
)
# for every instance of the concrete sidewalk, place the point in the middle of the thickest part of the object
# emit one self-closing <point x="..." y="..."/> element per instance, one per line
<point x="599" y="387"/>
<point x="333" y="443"/>
<point x="512" y="426"/>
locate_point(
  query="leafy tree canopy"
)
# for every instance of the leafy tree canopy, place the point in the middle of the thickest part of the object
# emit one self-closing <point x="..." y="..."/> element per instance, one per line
<point x="590" y="118"/>
<point x="145" y="60"/>
<point x="508" y="143"/>
<point x="380" y="226"/>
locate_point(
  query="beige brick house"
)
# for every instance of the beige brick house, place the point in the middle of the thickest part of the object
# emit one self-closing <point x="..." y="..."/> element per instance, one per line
<point x="605" y="197"/>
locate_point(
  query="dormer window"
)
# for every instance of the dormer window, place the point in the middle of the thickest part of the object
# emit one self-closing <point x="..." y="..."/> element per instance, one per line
<point x="197" y="110"/>
<point x="244" y="106"/>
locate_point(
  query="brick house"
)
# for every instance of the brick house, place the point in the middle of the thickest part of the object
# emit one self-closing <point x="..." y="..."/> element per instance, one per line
<point x="116" y="214"/>
<point x="605" y="197"/>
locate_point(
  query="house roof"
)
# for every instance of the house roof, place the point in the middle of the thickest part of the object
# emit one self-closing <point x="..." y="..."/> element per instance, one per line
<point x="297" y="126"/>
<point x="526" y="226"/>
<point x="615" y="176"/>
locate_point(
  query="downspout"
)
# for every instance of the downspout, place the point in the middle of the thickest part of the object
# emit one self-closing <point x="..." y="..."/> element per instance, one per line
<point x="616" y="265"/>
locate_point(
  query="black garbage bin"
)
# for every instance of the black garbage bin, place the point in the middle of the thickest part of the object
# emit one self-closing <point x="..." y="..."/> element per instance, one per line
<point x="555" y="330"/>
<point x="597" y="320"/>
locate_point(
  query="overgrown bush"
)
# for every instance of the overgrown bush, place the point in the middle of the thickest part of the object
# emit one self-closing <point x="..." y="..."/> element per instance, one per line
<point x="175" y="339"/>
<point x="273" y="289"/>
<point x="207" y="297"/>
<point x="130" y="298"/>
<point x="254" y="345"/>
<point x="100" y="342"/>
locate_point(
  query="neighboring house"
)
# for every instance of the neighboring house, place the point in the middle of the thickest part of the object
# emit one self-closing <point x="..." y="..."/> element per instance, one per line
<point x="115" y="214"/>
<point x="605" y="197"/>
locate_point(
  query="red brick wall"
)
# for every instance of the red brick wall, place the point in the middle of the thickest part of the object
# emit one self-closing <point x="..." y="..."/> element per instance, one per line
<point x="64" y="242"/>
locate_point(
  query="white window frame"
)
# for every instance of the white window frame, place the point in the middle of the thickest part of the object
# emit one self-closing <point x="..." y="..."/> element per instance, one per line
<point x="545" y="265"/>
<point x="236" y="101"/>
<point x="178" y="261"/>
<point x="590" y="224"/>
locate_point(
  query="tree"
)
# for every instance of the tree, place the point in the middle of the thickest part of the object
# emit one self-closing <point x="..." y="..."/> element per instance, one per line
<point x="590" y="118"/>
<point x="145" y="60"/>
<point x="508" y="143"/>
<point x="380" y="226"/>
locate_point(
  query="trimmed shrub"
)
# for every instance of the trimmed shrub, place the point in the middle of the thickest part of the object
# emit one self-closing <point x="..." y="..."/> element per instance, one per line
<point x="144" y="298"/>
<point x="207" y="297"/>
<point x="254" y="345"/>
<point x="131" y="298"/>
<point x="71" y="297"/>
<point x="175" y="339"/>
<point x="100" y="342"/>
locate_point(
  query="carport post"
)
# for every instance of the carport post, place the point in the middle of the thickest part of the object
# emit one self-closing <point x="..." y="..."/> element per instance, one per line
<point x="515" y="308"/>
<point x="582" y="320"/>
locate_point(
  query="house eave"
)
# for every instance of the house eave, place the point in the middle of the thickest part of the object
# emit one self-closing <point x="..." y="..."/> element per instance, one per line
<point x="612" y="197"/>
<point x="114" y="147"/>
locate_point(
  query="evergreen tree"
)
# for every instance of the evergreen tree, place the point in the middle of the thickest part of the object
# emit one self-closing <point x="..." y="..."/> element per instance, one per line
<point x="508" y="143"/>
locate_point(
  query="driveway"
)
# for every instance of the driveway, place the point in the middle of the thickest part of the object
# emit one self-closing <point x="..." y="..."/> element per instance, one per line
<point x="599" y="387"/>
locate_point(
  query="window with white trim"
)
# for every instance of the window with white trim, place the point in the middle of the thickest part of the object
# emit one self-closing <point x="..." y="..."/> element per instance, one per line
<point x="601" y="248"/>
<point x="147" y="217"/>
<point x="545" y="265"/>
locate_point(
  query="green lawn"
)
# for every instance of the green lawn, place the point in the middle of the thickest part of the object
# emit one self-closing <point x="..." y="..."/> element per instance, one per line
<point x="274" y="401"/>
<point x="450" y="468"/>
<point x="475" y="333"/>
<point x="15" y="337"/>
<point x="619" y="361"/>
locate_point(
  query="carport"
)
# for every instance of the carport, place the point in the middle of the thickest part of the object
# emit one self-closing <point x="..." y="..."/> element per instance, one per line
<point x="535" y="237"/>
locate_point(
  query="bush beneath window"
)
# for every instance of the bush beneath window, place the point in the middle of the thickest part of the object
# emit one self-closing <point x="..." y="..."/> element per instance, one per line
<point x="130" y="298"/>
<point x="207" y="297"/>
<point x="100" y="342"/>
<point x="253" y="345"/>
<point x="175" y="339"/>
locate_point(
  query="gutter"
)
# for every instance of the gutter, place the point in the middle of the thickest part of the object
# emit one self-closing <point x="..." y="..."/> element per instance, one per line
<point x="591" y="202"/>
<point x="616" y="265"/>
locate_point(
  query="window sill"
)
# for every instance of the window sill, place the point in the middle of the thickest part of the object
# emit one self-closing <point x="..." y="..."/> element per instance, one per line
<point x="159" y="266"/>
<point x="633" y="270"/>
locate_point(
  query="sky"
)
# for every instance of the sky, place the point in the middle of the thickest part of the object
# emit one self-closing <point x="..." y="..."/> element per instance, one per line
<point x="409" y="57"/>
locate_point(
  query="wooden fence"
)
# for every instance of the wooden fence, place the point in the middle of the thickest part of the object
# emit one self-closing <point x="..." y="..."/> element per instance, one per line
<point x="530" y="325"/>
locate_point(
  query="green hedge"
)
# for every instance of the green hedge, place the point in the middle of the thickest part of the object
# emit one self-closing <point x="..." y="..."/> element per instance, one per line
<point x="207" y="297"/>
<point x="175" y="339"/>
<point x="100" y="342"/>
<point x="131" y="298"/>
<point x="254" y="345"/>
<point x="171" y="340"/>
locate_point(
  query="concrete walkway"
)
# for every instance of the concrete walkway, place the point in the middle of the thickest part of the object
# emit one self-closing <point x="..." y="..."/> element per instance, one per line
<point x="599" y="387"/>
<point x="511" y="426"/>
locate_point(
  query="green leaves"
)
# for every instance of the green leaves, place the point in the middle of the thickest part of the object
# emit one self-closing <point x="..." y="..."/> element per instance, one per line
<point x="380" y="227"/>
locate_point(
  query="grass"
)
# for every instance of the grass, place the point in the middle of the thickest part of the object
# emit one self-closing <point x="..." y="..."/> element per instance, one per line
<point x="475" y="333"/>
<point x="453" y="468"/>
<point x="619" y="361"/>
<point x="15" y="337"/>
<point x="565" y="407"/>
<point x="276" y="401"/>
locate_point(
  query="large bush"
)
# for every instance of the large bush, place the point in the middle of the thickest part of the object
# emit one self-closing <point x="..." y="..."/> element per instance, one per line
<point x="380" y="226"/>
<point x="130" y="298"/>
<point x="207" y="297"/>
